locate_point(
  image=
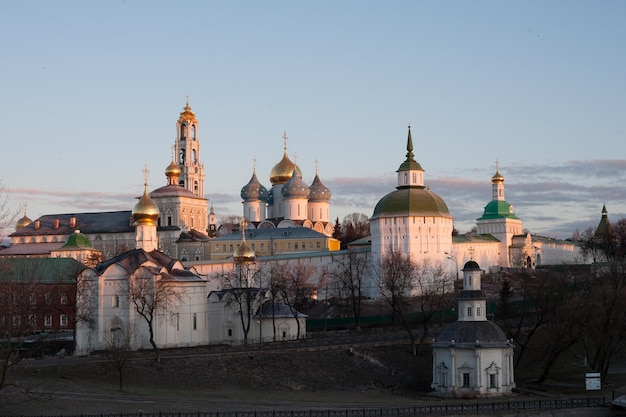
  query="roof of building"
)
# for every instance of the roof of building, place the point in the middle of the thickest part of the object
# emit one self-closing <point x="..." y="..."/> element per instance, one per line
<point x="87" y="223"/>
<point x="31" y="249"/>
<point x="468" y="238"/>
<point x="498" y="209"/>
<point x="76" y="241"/>
<point x="40" y="270"/>
<point x="415" y="201"/>
<point x="470" y="334"/>
<point x="173" y="191"/>
<point x="277" y="310"/>
<point x="276" y="234"/>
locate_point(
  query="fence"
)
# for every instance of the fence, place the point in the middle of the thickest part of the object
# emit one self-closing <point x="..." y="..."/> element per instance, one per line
<point x="440" y="408"/>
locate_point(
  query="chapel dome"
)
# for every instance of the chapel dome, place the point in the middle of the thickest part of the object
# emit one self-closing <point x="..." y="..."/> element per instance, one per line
<point x="244" y="253"/>
<point x="318" y="191"/>
<point x="283" y="170"/>
<point x="295" y="187"/>
<point x="23" y="222"/>
<point x="145" y="211"/>
<point x="254" y="190"/>
<point x="471" y="265"/>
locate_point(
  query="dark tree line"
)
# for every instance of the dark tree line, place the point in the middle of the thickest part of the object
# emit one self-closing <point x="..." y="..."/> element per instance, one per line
<point x="553" y="315"/>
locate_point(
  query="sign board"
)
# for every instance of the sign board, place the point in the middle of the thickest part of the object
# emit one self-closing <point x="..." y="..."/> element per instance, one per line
<point x="592" y="381"/>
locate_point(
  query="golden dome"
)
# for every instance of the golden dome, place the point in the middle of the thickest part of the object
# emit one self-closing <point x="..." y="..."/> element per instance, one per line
<point x="283" y="170"/>
<point x="497" y="177"/>
<point x="23" y="222"/>
<point x="145" y="211"/>
<point x="172" y="170"/>
<point x="187" y="115"/>
<point x="244" y="253"/>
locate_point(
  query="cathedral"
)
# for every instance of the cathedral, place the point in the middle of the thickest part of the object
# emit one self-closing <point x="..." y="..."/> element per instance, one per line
<point x="186" y="224"/>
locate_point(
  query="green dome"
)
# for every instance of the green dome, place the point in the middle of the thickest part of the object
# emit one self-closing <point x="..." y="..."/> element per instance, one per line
<point x="414" y="201"/>
<point x="498" y="209"/>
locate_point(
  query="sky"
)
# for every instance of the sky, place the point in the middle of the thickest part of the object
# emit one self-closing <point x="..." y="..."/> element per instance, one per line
<point x="90" y="92"/>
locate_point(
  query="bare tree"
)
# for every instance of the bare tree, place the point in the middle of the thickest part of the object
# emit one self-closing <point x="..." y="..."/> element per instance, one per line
<point x="605" y="330"/>
<point x="152" y="296"/>
<point x="7" y="216"/>
<point x="354" y="226"/>
<point x="348" y="275"/>
<point x="296" y="287"/>
<point x="239" y="282"/>
<point x="118" y="343"/>
<point x="434" y="286"/>
<point x="396" y="284"/>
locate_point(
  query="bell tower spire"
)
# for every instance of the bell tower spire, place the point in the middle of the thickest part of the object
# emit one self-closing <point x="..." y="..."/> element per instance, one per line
<point x="188" y="151"/>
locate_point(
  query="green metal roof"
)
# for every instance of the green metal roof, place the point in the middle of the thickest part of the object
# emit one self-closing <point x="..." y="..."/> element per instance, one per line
<point x="42" y="270"/>
<point x="498" y="209"/>
<point x="414" y="201"/>
<point x="76" y="241"/>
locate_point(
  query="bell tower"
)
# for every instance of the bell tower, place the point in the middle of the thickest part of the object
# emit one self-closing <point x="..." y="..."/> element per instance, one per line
<point x="188" y="152"/>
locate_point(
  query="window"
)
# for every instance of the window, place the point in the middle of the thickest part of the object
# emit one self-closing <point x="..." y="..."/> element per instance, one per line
<point x="63" y="298"/>
<point x="493" y="381"/>
<point x="47" y="321"/>
<point x="469" y="311"/>
<point x="63" y="320"/>
<point x="195" y="321"/>
<point x="296" y="246"/>
<point x="318" y="245"/>
<point x="466" y="380"/>
<point x="477" y="311"/>
<point x="115" y="302"/>
<point x="288" y="245"/>
<point x="33" y="299"/>
<point x="230" y="332"/>
<point x="32" y="319"/>
<point x="47" y="298"/>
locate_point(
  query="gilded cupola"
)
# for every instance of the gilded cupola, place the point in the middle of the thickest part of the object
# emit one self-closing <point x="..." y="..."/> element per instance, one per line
<point x="282" y="171"/>
<point x="145" y="211"/>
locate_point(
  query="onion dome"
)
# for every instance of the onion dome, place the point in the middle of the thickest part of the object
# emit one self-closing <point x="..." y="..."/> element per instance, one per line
<point x="173" y="170"/>
<point x="295" y="187"/>
<point x="24" y="221"/>
<point x="244" y="253"/>
<point x="254" y="190"/>
<point x="145" y="211"/>
<point x="282" y="171"/>
<point x="318" y="191"/>
<point x="187" y="115"/>
<point x="497" y="177"/>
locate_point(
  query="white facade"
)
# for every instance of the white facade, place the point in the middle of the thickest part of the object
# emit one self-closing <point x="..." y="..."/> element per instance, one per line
<point x="105" y="298"/>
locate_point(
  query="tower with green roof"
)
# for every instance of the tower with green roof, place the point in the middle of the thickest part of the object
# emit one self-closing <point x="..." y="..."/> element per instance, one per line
<point x="412" y="219"/>
<point x="499" y="219"/>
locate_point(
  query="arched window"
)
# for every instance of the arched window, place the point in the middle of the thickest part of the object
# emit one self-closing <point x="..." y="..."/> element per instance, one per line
<point x="182" y="156"/>
<point x="193" y="132"/>
<point x="183" y="132"/>
<point x="194" y="156"/>
<point x="195" y="186"/>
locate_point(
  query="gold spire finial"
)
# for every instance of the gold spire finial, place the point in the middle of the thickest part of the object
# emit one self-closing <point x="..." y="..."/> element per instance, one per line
<point x="316" y="166"/>
<point x="285" y="140"/>
<point x="254" y="164"/>
<point x="471" y="253"/>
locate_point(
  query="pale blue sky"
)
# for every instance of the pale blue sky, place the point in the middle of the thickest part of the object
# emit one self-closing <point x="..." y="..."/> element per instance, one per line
<point x="91" y="91"/>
